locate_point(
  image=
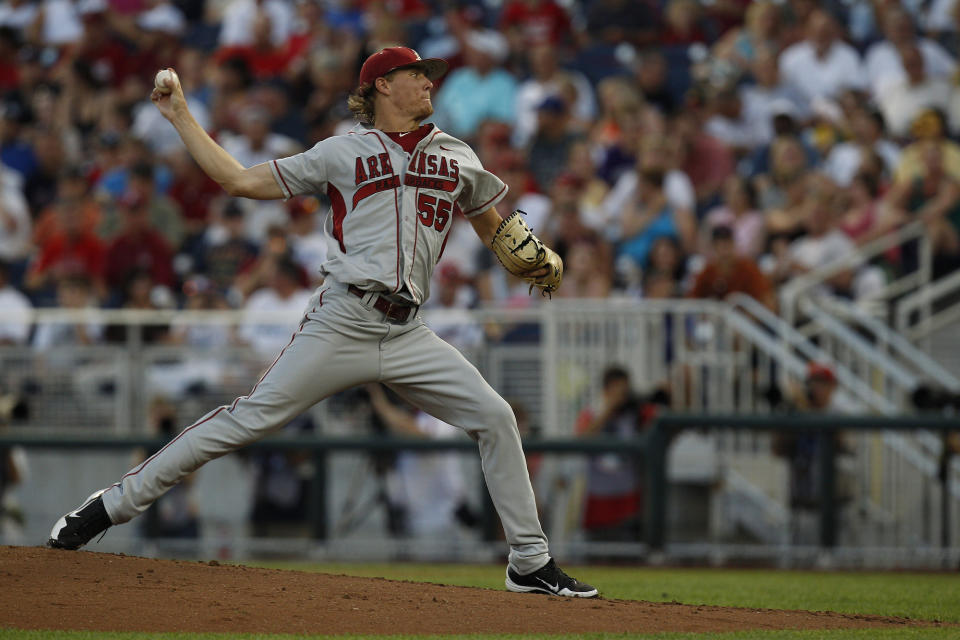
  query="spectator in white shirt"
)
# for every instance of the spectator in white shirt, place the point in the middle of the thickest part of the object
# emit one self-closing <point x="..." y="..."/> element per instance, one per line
<point x="156" y="131"/>
<point x="883" y="60"/>
<point x="15" y="222"/>
<point x="824" y="243"/>
<point x="239" y="17"/>
<point x="427" y="490"/>
<point x="284" y="295"/>
<point x="74" y="292"/>
<point x="768" y="95"/>
<point x="522" y="193"/>
<point x="18" y="14"/>
<point x="45" y="22"/>
<point x="256" y="144"/>
<point x="821" y="65"/>
<point x="15" y="307"/>
<point x="845" y="158"/>
<point x="308" y="242"/>
<point x="548" y="79"/>
<point x="60" y="22"/>
<point x="657" y="152"/>
<point x="942" y="17"/>
<point x="732" y="124"/>
<point x="902" y="101"/>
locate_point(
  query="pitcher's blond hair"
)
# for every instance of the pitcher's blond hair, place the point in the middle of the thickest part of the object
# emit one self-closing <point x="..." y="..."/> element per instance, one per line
<point x="360" y="103"/>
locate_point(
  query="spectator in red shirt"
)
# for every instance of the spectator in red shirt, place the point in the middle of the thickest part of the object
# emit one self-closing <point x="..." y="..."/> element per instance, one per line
<point x="194" y="191"/>
<point x="101" y="49"/>
<point x="729" y="273"/>
<point x="73" y="250"/>
<point x="138" y="246"/>
<point x="9" y="46"/>
<point x="529" y="22"/>
<point x="706" y="160"/>
<point x="682" y="23"/>
<point x="262" y="56"/>
<point x="73" y="199"/>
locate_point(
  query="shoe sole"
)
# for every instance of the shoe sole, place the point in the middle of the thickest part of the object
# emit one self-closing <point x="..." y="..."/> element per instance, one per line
<point x="563" y="593"/>
<point x="52" y="542"/>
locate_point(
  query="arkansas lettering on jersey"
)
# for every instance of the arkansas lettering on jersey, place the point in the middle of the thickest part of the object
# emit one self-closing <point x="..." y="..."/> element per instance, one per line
<point x="389" y="227"/>
<point x="378" y="176"/>
<point x="429" y="171"/>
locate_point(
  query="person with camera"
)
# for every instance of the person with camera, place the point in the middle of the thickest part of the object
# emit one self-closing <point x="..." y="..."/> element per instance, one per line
<point x="803" y="449"/>
<point x="614" y="482"/>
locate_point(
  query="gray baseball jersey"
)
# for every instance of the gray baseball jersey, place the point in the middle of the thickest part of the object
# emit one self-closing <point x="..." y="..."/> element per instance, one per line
<point x="390" y="210"/>
<point x="390" y="217"/>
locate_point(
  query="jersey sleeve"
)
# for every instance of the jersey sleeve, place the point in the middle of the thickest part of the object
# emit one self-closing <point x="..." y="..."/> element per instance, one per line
<point x="481" y="189"/>
<point x="303" y="173"/>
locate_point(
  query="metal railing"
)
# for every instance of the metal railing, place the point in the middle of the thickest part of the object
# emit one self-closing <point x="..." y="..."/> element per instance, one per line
<point x="801" y="286"/>
<point x="915" y="316"/>
<point x="320" y="448"/>
<point x="550" y="359"/>
<point x="890" y="342"/>
<point x="920" y="520"/>
<point x="791" y="340"/>
<point x="919" y="530"/>
<point x="713" y="357"/>
<point x="846" y="347"/>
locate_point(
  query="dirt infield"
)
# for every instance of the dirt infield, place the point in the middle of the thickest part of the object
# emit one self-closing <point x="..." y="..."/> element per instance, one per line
<point x="48" y="589"/>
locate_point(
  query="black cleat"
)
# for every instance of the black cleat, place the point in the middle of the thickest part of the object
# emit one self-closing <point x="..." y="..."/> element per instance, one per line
<point x="549" y="579"/>
<point x="78" y="527"/>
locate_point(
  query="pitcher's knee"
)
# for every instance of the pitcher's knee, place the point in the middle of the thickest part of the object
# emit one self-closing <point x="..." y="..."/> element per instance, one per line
<point x="263" y="413"/>
<point x="500" y="416"/>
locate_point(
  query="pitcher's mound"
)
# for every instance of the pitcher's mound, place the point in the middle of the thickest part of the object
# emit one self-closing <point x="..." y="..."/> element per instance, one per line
<point x="49" y="589"/>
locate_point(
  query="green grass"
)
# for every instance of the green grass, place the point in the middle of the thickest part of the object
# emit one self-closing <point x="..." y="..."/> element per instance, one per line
<point x="924" y="596"/>
<point x="867" y="634"/>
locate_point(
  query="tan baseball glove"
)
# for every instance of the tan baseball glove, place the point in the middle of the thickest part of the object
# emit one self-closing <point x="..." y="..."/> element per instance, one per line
<point x="521" y="253"/>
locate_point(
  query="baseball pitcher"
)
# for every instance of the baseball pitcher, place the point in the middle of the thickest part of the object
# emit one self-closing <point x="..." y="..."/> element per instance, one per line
<point x="394" y="185"/>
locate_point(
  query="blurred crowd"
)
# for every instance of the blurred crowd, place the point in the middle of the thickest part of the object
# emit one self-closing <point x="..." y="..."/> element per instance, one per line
<point x="665" y="148"/>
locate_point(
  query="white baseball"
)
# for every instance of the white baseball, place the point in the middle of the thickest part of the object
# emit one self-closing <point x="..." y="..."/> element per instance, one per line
<point x="164" y="81"/>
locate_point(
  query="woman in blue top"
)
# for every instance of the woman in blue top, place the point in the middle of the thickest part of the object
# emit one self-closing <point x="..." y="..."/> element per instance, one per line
<point x="650" y="217"/>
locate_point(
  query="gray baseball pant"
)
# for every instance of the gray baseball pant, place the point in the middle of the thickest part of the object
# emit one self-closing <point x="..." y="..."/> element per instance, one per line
<point x="340" y="343"/>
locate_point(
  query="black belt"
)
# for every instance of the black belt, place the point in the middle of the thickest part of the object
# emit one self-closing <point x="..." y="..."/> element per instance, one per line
<point x="396" y="311"/>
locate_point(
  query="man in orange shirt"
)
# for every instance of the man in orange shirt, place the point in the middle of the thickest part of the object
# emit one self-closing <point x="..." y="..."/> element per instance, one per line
<point x="727" y="272"/>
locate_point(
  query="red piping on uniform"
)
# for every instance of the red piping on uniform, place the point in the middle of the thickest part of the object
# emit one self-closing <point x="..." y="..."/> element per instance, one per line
<point x="150" y="459"/>
<point x="442" y="246"/>
<point x="376" y="186"/>
<point x="466" y="213"/>
<point x="416" y="228"/>
<point x="416" y="198"/>
<point x="282" y="351"/>
<point x="282" y="179"/>
<point x="339" y="213"/>
<point x="456" y="210"/>
<point x="427" y="182"/>
<point x="219" y="409"/>
<point x="396" y="208"/>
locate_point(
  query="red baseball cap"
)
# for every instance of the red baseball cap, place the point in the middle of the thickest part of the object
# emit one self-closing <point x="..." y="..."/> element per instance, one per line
<point x="820" y="371"/>
<point x="392" y="58"/>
